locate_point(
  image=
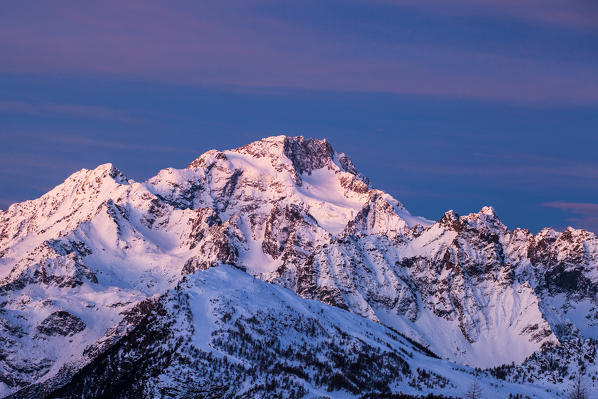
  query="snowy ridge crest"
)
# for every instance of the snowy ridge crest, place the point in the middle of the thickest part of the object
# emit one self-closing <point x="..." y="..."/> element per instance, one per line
<point x="93" y="252"/>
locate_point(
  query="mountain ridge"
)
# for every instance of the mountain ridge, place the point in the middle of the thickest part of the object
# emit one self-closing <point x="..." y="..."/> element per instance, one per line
<point x="295" y="213"/>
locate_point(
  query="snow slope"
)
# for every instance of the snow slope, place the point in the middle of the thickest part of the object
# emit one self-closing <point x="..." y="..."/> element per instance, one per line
<point x="260" y="340"/>
<point x="94" y="250"/>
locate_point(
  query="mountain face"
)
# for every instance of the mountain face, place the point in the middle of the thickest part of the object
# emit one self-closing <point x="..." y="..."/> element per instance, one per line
<point x="86" y="266"/>
<point x="252" y="339"/>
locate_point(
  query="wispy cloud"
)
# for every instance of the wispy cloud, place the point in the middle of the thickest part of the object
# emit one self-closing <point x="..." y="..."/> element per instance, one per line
<point x="571" y="14"/>
<point x="241" y="47"/>
<point x="21" y="163"/>
<point x="112" y="144"/>
<point x="585" y="215"/>
<point x="509" y="169"/>
<point x="73" y="110"/>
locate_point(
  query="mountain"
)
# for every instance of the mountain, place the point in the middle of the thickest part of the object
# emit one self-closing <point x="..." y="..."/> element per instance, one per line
<point x="84" y="266"/>
<point x="252" y="339"/>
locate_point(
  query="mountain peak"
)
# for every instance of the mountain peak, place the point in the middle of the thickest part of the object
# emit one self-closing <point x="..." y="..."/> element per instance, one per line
<point x="488" y="210"/>
<point x="103" y="171"/>
<point x="486" y="217"/>
<point x="290" y="211"/>
<point x="297" y="154"/>
<point x="308" y="155"/>
<point x="451" y="220"/>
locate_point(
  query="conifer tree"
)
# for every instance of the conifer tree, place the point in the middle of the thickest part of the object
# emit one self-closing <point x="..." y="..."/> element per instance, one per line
<point x="474" y="391"/>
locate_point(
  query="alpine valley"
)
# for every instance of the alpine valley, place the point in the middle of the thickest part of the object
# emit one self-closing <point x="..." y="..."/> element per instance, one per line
<point x="276" y="270"/>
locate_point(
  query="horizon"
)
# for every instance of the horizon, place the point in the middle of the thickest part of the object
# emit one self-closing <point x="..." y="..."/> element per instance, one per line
<point x="442" y="106"/>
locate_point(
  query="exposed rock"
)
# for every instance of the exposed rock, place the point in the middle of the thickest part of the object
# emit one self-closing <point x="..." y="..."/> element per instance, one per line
<point x="61" y="323"/>
<point x="293" y="212"/>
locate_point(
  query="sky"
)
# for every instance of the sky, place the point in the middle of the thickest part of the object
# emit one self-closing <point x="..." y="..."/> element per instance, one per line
<point x="445" y="105"/>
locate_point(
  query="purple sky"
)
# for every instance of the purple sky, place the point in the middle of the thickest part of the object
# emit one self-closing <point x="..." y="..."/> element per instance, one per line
<point x="263" y="45"/>
<point x="510" y="88"/>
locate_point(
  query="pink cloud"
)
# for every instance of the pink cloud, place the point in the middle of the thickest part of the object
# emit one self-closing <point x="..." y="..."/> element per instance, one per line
<point x="237" y="49"/>
<point x="586" y="214"/>
<point x="571" y="14"/>
<point x="493" y="168"/>
<point x="580" y="208"/>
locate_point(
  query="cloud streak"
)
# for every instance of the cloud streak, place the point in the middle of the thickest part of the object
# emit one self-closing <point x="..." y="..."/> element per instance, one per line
<point x="241" y="47"/>
<point x="73" y="110"/>
<point x="507" y="169"/>
<point x="86" y="142"/>
<point x="571" y="14"/>
<point x="585" y="214"/>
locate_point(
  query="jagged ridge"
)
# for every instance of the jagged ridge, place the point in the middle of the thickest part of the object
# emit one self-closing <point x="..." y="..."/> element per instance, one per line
<point x="293" y="212"/>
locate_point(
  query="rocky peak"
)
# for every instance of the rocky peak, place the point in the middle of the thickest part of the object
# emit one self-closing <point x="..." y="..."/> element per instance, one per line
<point x="308" y="155"/>
<point x="202" y="160"/>
<point x="486" y="218"/>
<point x="298" y="214"/>
<point x="115" y="173"/>
<point x="451" y="220"/>
<point x="78" y="182"/>
<point x="280" y="160"/>
<point x="572" y="247"/>
<point x="87" y="184"/>
<point x="547" y="233"/>
<point x="305" y="155"/>
<point x="572" y="235"/>
<point x="379" y="215"/>
<point x="102" y="172"/>
<point x="62" y="208"/>
<point x="488" y="211"/>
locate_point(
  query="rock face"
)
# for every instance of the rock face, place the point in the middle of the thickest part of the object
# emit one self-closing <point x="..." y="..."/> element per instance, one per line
<point x="61" y="323"/>
<point x="293" y="212"/>
<point x="249" y="338"/>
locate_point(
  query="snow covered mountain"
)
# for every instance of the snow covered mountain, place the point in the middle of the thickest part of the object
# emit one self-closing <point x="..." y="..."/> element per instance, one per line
<point x="82" y="266"/>
<point x="256" y="340"/>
